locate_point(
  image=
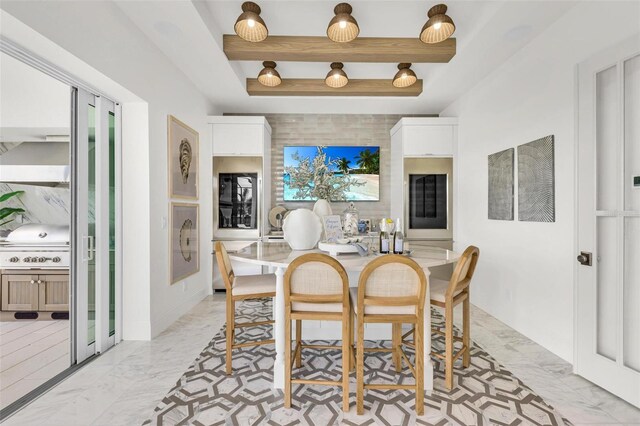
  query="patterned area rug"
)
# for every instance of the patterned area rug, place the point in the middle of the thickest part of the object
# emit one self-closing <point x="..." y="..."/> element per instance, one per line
<point x="483" y="394"/>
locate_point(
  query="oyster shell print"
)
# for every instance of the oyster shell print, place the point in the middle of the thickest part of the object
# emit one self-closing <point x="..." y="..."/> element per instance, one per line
<point x="185" y="239"/>
<point x="185" y="159"/>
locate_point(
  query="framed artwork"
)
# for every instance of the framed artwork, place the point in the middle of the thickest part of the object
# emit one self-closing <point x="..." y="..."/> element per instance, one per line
<point x="185" y="250"/>
<point x="183" y="160"/>
<point x="501" y="185"/>
<point x="536" y="181"/>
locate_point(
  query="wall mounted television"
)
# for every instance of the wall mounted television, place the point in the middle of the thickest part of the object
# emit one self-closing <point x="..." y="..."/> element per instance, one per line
<point x="336" y="173"/>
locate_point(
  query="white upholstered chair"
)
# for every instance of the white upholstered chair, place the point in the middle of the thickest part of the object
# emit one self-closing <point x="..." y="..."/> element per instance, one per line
<point x="316" y="287"/>
<point x="242" y="287"/>
<point x="392" y="290"/>
<point x="448" y="294"/>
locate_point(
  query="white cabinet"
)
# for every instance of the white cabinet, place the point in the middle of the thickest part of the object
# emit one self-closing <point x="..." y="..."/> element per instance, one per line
<point x="239" y="135"/>
<point x="425" y="136"/>
<point x="416" y="141"/>
<point x="241" y="144"/>
<point x="428" y="140"/>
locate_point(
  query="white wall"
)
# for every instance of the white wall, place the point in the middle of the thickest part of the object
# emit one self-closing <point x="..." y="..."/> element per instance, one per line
<point x="525" y="273"/>
<point x="101" y="36"/>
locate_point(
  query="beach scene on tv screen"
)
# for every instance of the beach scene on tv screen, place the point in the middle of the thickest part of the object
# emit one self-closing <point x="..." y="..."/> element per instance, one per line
<point x="335" y="173"/>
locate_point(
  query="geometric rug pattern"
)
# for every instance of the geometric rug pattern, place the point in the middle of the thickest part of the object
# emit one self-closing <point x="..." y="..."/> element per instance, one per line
<point x="485" y="393"/>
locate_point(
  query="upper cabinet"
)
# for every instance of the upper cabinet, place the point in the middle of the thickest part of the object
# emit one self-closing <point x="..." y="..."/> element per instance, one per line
<point x="239" y="135"/>
<point x="417" y="137"/>
<point x="425" y="137"/>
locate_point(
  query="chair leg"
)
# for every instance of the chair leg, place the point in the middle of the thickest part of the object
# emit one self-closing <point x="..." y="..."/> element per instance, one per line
<point x="230" y="332"/>
<point x="466" y="332"/>
<point x="396" y="342"/>
<point x="352" y="358"/>
<point x="299" y="343"/>
<point x="360" y="368"/>
<point x="418" y="339"/>
<point x="346" y="360"/>
<point x="448" y="343"/>
<point x="287" y="361"/>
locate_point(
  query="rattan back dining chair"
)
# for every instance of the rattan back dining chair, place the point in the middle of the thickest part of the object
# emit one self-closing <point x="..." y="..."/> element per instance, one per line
<point x="316" y="287"/>
<point x="239" y="288"/>
<point x="392" y="290"/>
<point x="447" y="295"/>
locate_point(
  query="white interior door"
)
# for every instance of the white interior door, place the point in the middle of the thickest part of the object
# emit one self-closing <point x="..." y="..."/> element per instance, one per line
<point x="95" y="236"/>
<point x="608" y="286"/>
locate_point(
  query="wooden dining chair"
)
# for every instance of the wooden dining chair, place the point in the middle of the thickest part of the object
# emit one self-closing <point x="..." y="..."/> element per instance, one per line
<point x="316" y="287"/>
<point x="392" y="290"/>
<point x="448" y="294"/>
<point x="238" y="288"/>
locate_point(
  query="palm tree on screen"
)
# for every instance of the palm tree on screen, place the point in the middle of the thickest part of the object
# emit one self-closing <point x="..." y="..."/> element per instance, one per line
<point x="343" y="165"/>
<point x="368" y="161"/>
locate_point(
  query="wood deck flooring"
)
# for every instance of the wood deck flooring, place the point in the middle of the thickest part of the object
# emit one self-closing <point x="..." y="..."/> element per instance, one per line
<point x="31" y="352"/>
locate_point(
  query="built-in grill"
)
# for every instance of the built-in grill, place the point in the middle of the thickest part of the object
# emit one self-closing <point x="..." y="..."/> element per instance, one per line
<point x="36" y="246"/>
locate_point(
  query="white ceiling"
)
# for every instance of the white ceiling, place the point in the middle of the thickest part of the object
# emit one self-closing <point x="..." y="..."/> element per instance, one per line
<point x="488" y="33"/>
<point x="33" y="105"/>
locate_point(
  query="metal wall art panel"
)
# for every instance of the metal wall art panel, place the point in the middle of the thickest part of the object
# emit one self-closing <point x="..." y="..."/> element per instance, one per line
<point x="536" y="181"/>
<point x="501" y="185"/>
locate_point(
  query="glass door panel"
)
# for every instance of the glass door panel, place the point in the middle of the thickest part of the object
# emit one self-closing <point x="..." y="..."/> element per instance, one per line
<point x="95" y="195"/>
<point x="112" y="223"/>
<point x="91" y="222"/>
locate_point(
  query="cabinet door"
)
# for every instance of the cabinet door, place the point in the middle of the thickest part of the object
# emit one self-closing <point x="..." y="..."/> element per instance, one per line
<point x="237" y="139"/>
<point x="54" y="293"/>
<point x="420" y="141"/>
<point x="20" y="292"/>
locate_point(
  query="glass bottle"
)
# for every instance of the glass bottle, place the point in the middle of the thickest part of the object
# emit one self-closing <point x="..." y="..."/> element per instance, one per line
<point x="398" y="238"/>
<point x="384" y="242"/>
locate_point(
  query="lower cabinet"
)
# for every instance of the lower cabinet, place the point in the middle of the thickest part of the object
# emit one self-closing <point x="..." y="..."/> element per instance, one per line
<point x="53" y="293"/>
<point x="30" y="292"/>
<point x="20" y="292"/>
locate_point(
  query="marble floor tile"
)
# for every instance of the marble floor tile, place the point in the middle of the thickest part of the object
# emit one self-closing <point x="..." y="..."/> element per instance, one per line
<point x="136" y="377"/>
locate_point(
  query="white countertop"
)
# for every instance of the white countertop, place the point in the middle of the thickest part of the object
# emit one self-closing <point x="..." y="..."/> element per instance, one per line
<point x="279" y="254"/>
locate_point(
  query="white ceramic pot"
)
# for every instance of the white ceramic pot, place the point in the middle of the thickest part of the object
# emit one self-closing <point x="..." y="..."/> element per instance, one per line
<point x="322" y="208"/>
<point x="302" y="229"/>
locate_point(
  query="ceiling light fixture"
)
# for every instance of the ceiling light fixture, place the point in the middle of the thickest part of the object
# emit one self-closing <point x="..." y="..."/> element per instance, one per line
<point x="343" y="27"/>
<point x="337" y="77"/>
<point x="269" y="76"/>
<point x="439" y="27"/>
<point x="405" y="76"/>
<point x="250" y="25"/>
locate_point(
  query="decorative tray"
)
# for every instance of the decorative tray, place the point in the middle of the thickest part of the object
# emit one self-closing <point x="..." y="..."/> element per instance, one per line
<point x="335" y="249"/>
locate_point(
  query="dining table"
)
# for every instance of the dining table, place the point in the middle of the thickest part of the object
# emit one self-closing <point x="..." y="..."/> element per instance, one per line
<point x="276" y="257"/>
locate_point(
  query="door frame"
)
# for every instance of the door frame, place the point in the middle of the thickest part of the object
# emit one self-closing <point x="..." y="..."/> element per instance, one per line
<point x="613" y="56"/>
<point x="35" y="61"/>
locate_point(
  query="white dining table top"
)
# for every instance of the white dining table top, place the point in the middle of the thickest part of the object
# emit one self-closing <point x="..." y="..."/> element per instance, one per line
<point x="279" y="255"/>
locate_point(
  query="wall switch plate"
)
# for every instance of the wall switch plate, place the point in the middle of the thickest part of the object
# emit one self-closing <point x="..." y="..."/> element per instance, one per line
<point x="163" y="222"/>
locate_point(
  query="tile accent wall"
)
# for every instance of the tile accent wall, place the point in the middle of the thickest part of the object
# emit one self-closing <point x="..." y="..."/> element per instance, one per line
<point x="42" y="204"/>
<point x="332" y="129"/>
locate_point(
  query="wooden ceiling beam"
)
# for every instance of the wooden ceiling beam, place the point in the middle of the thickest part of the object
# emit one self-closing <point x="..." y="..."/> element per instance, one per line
<point x="321" y="49"/>
<point x="317" y="87"/>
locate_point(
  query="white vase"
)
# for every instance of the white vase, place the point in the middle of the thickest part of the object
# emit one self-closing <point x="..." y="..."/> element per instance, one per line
<point x="322" y="208"/>
<point x="302" y="229"/>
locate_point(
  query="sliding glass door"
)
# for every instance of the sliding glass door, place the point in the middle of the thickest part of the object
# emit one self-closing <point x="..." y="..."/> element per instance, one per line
<point x="95" y="232"/>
